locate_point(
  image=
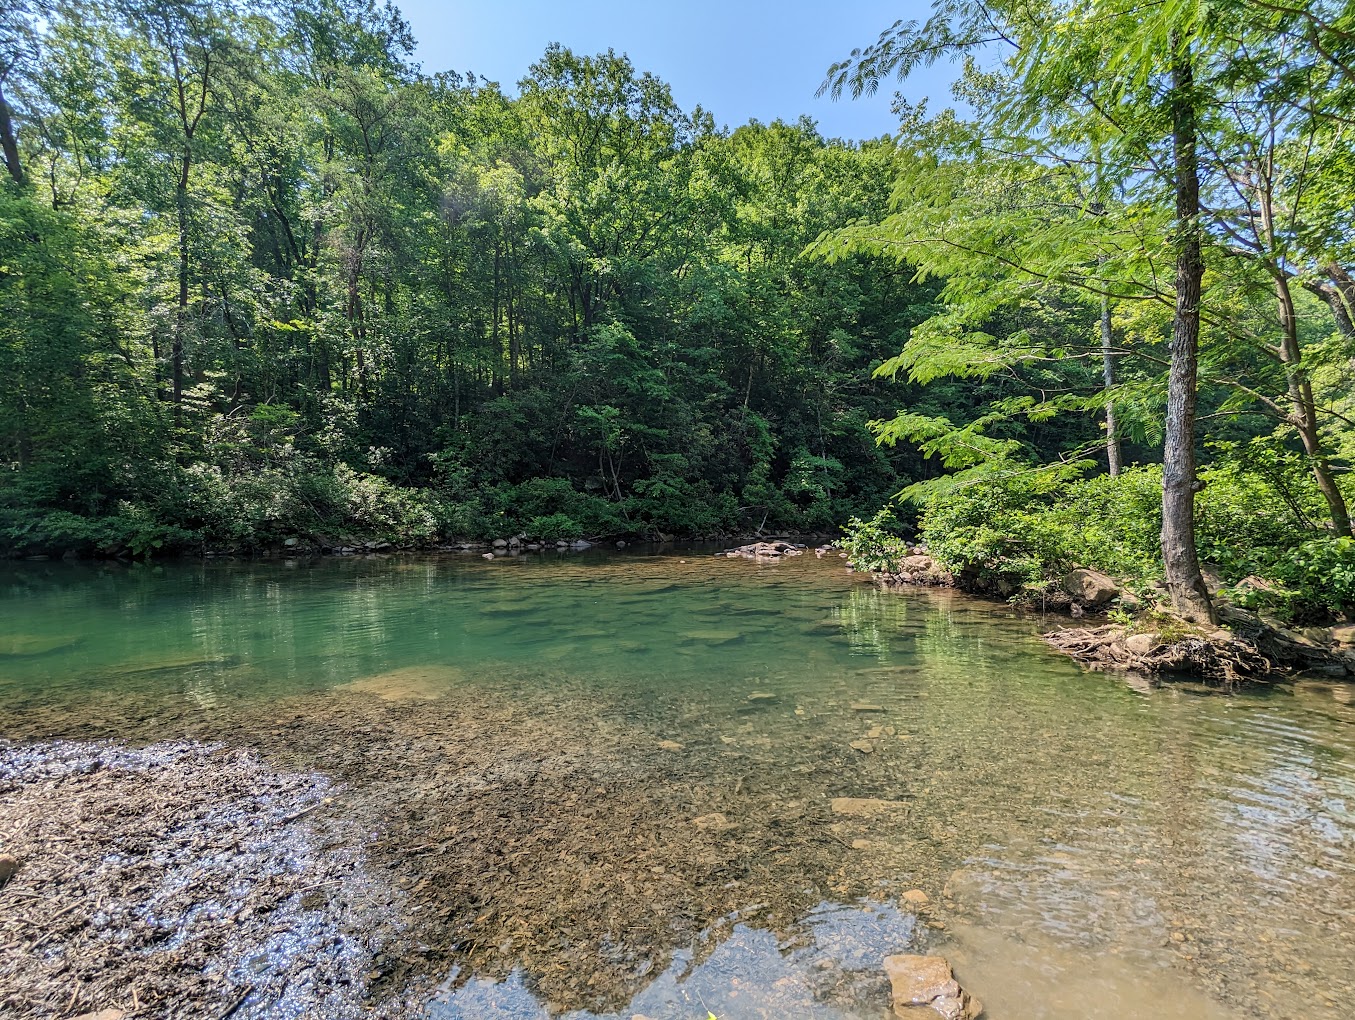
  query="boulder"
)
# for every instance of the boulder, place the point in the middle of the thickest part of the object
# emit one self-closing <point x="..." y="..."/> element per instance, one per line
<point x="1344" y="634"/>
<point x="500" y="543"/>
<point x="1142" y="644"/>
<point x="922" y="983"/>
<point x="9" y="867"/>
<point x="1090" y="586"/>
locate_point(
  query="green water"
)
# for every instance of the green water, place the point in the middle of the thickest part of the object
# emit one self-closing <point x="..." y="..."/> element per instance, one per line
<point x="1093" y="847"/>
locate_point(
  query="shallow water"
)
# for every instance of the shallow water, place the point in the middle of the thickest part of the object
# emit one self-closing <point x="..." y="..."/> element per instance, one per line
<point x="1090" y="847"/>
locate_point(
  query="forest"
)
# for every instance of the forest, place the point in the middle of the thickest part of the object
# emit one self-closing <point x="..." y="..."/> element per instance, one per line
<point x="265" y="281"/>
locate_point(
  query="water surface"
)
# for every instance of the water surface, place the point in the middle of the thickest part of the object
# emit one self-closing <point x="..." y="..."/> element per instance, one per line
<point x="1089" y="847"/>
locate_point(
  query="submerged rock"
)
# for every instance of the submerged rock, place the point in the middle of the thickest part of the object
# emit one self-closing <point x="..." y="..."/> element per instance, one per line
<point x="924" y="985"/>
<point x="715" y="821"/>
<point x="9" y="867"/>
<point x="865" y="807"/>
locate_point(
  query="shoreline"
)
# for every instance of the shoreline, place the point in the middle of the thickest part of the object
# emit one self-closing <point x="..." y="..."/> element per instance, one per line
<point x="1245" y="647"/>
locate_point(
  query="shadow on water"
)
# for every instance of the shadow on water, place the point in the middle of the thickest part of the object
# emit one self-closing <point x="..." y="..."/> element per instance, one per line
<point x="645" y="751"/>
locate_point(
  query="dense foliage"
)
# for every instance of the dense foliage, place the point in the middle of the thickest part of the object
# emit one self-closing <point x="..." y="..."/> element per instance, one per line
<point x="1146" y="219"/>
<point x="261" y="278"/>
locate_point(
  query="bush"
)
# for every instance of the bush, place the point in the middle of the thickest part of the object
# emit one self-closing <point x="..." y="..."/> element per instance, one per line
<point x="553" y="527"/>
<point x="874" y="544"/>
<point x="1306" y="584"/>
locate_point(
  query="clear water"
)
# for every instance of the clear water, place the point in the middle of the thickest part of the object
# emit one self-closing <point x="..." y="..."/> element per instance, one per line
<point x="1092" y="847"/>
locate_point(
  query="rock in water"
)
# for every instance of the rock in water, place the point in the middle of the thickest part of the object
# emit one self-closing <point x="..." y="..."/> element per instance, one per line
<point x="925" y="984"/>
<point x="1090" y="586"/>
<point x="865" y="807"/>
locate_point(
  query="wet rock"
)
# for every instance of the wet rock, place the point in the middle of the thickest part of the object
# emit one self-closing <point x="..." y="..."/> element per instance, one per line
<point x="1090" y="586"/>
<point x="918" y="569"/>
<point x="916" y="898"/>
<point x="712" y="637"/>
<point x="486" y="556"/>
<point x="715" y="821"/>
<point x="500" y="543"/>
<point x="865" y="807"/>
<point x="9" y="866"/>
<point x="866" y="706"/>
<point x="33" y="644"/>
<point x="761" y="698"/>
<point x="864" y="746"/>
<point x="670" y="745"/>
<point x="580" y="545"/>
<point x="923" y="984"/>
<point x="765" y="550"/>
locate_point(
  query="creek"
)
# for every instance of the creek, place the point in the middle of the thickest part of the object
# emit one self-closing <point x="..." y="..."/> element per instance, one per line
<point x="603" y="785"/>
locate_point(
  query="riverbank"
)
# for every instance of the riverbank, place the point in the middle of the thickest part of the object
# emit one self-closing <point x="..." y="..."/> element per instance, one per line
<point x="1141" y="635"/>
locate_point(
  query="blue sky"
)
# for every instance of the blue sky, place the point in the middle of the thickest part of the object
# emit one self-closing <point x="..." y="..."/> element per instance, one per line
<point x="738" y="60"/>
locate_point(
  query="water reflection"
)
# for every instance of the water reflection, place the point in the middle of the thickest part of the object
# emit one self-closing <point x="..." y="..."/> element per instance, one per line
<point x="1091" y="849"/>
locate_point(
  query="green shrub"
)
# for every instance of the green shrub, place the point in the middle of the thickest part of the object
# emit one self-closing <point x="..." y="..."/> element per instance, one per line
<point x="1306" y="584"/>
<point x="874" y="544"/>
<point x="553" y="527"/>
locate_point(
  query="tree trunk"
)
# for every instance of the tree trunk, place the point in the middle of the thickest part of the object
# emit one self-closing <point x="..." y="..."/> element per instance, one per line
<point x="1304" y="408"/>
<point x="1108" y="366"/>
<point x="181" y="314"/>
<point x="1189" y="594"/>
<point x="9" y="143"/>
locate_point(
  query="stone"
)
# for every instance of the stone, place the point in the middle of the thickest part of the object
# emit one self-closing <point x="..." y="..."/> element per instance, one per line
<point x="111" y="1013"/>
<point x="34" y="644"/>
<point x="866" y="706"/>
<point x="290" y="543"/>
<point x="670" y="745"/>
<point x="926" y="982"/>
<point x="761" y="697"/>
<point x="621" y="544"/>
<point x="1344" y="634"/>
<point x="713" y="821"/>
<point x="486" y="556"/>
<point x="864" y="746"/>
<point x="916" y="898"/>
<point x="1142" y="644"/>
<point x="500" y="543"/>
<point x="712" y="637"/>
<point x="9" y="867"/>
<point x="1090" y="586"/>
<point x="865" y="807"/>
